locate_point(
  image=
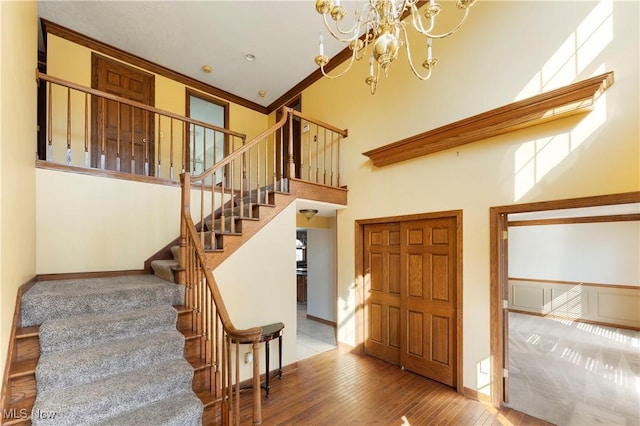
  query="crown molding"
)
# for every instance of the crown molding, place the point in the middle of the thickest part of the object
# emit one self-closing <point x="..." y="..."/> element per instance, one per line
<point x="98" y="46"/>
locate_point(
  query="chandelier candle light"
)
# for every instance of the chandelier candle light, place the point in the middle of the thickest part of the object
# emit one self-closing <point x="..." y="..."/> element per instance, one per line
<point x="380" y="22"/>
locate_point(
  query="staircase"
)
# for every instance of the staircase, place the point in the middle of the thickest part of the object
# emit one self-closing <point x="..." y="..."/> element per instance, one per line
<point x="124" y="350"/>
<point x="109" y="353"/>
<point x="156" y="349"/>
<point x="231" y="225"/>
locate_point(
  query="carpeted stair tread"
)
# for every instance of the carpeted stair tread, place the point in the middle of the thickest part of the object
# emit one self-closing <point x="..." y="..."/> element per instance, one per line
<point x="69" y="368"/>
<point x="84" y="330"/>
<point x="117" y="395"/>
<point x="48" y="300"/>
<point x="175" y="252"/>
<point x="163" y="268"/>
<point x="182" y="409"/>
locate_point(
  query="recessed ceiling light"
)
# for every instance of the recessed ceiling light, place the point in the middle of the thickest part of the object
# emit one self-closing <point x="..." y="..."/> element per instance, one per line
<point x="206" y="68"/>
<point x="250" y="57"/>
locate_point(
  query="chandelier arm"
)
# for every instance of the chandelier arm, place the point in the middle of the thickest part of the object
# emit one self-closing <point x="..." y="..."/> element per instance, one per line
<point x="417" y="21"/>
<point x="353" y="30"/>
<point x="386" y="32"/>
<point x="331" y="77"/>
<point x="413" y="68"/>
<point x="448" y="33"/>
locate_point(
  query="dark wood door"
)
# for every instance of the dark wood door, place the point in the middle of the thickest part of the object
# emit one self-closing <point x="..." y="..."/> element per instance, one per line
<point x="428" y="298"/>
<point x="122" y="133"/>
<point x="382" y="291"/>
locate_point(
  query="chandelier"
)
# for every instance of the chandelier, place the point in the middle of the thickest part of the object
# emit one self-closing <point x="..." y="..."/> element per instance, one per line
<point x="381" y="25"/>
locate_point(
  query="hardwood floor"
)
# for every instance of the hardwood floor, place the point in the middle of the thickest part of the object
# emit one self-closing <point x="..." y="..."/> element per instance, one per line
<point x="339" y="388"/>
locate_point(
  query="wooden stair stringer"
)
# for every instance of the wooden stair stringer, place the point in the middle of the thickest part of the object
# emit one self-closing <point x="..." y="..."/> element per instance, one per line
<point x="19" y="381"/>
<point x="231" y="243"/>
<point x="299" y="188"/>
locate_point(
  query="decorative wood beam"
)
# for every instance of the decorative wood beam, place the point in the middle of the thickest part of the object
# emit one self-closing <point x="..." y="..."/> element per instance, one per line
<point x="559" y="103"/>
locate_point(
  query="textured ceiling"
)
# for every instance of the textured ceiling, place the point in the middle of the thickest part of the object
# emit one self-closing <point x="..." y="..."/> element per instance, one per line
<point x="185" y="35"/>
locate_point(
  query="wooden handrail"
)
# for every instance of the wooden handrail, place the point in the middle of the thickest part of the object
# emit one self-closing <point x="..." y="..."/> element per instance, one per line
<point x="343" y="132"/>
<point x="215" y="348"/>
<point x="252" y="334"/>
<point x="91" y="91"/>
<point x="236" y="186"/>
<point x="246" y="147"/>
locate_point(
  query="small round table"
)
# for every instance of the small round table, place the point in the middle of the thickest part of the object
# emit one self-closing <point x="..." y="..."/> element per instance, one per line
<point x="269" y="332"/>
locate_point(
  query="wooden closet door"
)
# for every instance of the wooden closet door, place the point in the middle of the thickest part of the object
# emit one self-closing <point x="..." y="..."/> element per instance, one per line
<point x="382" y="291"/>
<point x="428" y="298"/>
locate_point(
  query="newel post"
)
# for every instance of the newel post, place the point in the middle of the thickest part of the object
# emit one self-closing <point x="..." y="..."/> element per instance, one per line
<point x="185" y="181"/>
<point x="291" y="166"/>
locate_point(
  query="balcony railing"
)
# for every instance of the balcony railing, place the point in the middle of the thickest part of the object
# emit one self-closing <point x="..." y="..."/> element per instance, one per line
<point x="95" y="130"/>
<point x="107" y="134"/>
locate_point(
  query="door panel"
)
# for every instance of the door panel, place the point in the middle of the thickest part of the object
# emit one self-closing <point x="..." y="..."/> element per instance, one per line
<point x="382" y="265"/>
<point x="119" y="131"/>
<point x="428" y="298"/>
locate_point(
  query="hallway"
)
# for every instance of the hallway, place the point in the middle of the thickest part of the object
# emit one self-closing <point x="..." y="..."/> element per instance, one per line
<point x="313" y="336"/>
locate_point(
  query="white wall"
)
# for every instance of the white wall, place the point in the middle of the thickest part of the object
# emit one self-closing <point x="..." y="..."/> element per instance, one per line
<point x="321" y="272"/>
<point x="258" y="284"/>
<point x="603" y="253"/>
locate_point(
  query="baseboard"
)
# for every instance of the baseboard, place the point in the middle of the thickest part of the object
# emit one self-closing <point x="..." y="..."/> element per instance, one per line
<point x="11" y="346"/>
<point x="85" y="275"/>
<point x="321" y="320"/>
<point x="246" y="384"/>
<point x="474" y="394"/>
<point x="344" y="347"/>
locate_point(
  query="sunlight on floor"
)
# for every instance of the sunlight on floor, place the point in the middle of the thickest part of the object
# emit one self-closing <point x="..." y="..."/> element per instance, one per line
<point x="569" y="374"/>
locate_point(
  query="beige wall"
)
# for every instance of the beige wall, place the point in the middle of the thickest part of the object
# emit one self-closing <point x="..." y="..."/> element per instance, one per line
<point x="495" y="59"/>
<point x="91" y="223"/>
<point x="18" y="47"/>
<point x="324" y="222"/>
